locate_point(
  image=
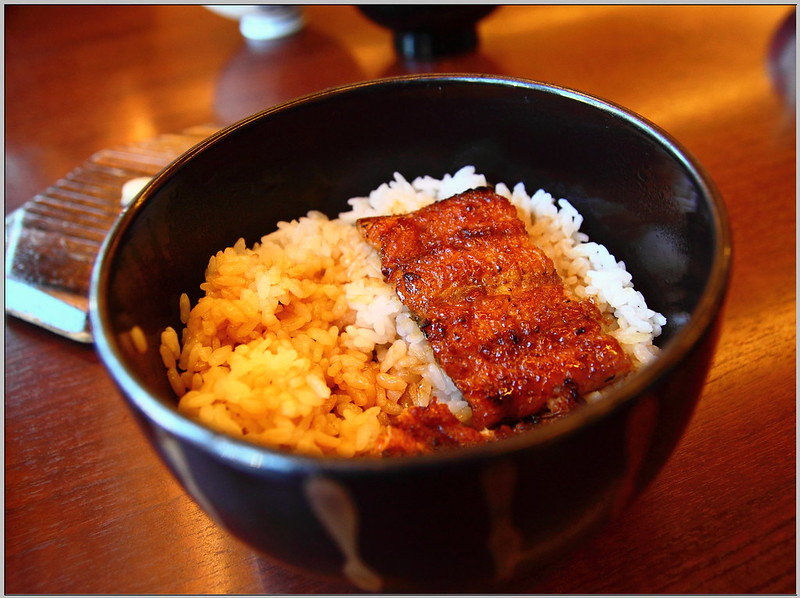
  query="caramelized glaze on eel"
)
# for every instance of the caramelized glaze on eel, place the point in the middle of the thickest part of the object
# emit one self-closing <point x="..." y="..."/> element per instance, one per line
<point x="494" y="311"/>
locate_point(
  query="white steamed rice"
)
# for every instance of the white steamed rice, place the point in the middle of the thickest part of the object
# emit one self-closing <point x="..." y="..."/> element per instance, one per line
<point x="299" y="343"/>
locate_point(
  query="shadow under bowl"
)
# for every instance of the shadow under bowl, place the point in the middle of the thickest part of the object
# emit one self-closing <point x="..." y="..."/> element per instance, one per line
<point x="463" y="519"/>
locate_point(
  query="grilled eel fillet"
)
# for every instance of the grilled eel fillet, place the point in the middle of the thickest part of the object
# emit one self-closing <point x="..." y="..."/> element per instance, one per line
<point x="493" y="308"/>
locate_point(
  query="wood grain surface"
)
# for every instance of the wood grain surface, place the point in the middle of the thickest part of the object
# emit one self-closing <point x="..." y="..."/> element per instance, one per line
<point x="90" y="509"/>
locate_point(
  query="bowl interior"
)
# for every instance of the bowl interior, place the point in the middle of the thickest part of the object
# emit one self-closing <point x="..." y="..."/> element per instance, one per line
<point x="637" y="193"/>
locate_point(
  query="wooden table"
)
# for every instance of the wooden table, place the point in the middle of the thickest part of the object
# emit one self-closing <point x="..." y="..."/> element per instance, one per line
<point x="90" y="509"/>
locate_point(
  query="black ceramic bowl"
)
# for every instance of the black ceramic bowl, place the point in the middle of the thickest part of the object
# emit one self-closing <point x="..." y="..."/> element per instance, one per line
<point x="469" y="517"/>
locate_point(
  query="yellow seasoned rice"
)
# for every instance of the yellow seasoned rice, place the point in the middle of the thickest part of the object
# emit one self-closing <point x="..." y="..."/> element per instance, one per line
<point x="278" y="352"/>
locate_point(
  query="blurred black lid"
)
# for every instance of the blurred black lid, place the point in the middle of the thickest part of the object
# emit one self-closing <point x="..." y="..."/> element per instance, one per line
<point x="423" y="32"/>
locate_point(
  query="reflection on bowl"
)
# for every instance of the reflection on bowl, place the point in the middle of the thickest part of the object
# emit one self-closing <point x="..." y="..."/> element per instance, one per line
<point x="467" y="518"/>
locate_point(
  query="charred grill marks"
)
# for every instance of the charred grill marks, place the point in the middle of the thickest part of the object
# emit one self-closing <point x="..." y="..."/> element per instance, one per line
<point x="493" y="308"/>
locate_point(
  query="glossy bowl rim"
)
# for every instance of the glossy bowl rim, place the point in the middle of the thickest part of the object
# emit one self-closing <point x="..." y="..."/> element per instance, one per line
<point x="251" y="456"/>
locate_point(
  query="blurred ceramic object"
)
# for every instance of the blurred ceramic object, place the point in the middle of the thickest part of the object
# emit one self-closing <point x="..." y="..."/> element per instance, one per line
<point x="424" y="32"/>
<point x="261" y="22"/>
<point x="782" y="59"/>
